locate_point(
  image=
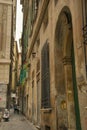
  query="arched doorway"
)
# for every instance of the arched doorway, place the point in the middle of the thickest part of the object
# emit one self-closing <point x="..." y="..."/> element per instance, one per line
<point x="65" y="77"/>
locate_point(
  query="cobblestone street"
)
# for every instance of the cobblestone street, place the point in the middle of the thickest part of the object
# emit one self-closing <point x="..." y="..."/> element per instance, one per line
<point x="16" y="122"/>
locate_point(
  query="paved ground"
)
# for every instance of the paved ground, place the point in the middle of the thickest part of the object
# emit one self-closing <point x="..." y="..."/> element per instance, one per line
<point x="16" y="122"/>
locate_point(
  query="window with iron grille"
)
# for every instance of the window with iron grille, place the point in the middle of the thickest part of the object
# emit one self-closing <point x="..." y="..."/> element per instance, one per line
<point x="84" y="11"/>
<point x="38" y="65"/>
<point x="35" y="4"/>
<point x="45" y="76"/>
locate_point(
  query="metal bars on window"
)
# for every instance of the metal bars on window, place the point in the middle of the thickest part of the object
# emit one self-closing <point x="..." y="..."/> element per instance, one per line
<point x="84" y="13"/>
<point x="45" y="76"/>
<point x="33" y="10"/>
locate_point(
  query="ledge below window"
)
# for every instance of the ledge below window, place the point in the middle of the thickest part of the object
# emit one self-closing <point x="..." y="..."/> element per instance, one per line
<point x="5" y="61"/>
<point x="46" y="110"/>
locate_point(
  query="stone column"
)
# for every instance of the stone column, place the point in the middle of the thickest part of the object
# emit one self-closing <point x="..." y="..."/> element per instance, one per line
<point x="69" y="93"/>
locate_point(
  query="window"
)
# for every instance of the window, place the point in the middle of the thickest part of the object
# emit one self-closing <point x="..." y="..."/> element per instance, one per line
<point x="45" y="76"/>
<point x="85" y="31"/>
<point x="38" y="98"/>
<point x="34" y="8"/>
<point x="0" y="37"/>
<point x="38" y="45"/>
<point x="38" y="66"/>
<point x="33" y="108"/>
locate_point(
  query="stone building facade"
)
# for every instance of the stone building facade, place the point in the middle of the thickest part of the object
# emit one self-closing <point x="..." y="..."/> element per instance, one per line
<point x="55" y="92"/>
<point x="14" y="68"/>
<point x="5" y="48"/>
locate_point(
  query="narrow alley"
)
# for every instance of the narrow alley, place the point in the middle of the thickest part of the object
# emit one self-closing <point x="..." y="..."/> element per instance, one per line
<point x="16" y="122"/>
<point x="43" y="64"/>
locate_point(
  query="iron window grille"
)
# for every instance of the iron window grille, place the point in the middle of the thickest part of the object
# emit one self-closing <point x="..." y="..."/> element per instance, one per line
<point x="45" y="75"/>
<point x="84" y="13"/>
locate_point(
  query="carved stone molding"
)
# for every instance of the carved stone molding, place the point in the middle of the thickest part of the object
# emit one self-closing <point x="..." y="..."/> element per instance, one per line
<point x="6" y="2"/>
<point x="66" y="60"/>
<point x="5" y="61"/>
<point x="82" y="84"/>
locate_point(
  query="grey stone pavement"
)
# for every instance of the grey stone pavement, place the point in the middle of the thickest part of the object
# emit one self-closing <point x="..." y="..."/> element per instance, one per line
<point x="16" y="122"/>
